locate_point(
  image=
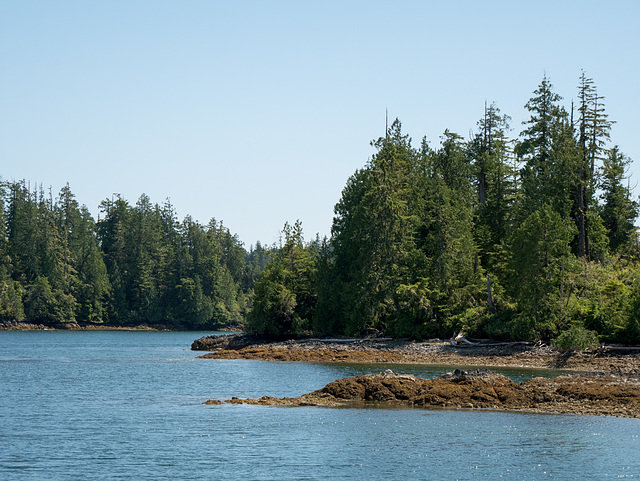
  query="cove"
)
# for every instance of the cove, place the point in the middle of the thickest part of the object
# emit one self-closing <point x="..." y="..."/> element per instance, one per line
<point x="127" y="405"/>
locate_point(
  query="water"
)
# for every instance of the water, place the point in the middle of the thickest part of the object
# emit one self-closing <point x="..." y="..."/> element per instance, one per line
<point x="127" y="405"/>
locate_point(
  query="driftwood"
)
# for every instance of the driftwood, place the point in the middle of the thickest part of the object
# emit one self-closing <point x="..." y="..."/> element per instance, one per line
<point x="347" y="341"/>
<point x="461" y="341"/>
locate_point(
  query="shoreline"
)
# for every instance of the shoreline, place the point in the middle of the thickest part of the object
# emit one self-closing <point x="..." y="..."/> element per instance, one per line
<point x="27" y="326"/>
<point x="73" y="326"/>
<point x="363" y="351"/>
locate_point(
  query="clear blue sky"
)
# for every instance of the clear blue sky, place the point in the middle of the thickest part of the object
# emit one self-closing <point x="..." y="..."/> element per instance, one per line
<point x="256" y="113"/>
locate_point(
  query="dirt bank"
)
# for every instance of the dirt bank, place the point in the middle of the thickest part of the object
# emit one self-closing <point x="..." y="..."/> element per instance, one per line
<point x="406" y="352"/>
<point x="610" y="394"/>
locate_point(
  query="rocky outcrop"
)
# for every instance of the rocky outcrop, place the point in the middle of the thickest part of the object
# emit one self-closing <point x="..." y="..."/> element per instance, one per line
<point x="8" y="325"/>
<point x="232" y="342"/>
<point x="601" y="394"/>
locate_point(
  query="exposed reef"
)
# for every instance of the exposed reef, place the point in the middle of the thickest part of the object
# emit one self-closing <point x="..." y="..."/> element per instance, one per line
<point x="595" y="394"/>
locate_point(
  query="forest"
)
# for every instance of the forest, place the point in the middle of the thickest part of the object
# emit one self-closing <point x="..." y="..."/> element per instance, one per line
<point x="520" y="238"/>
<point x="135" y="265"/>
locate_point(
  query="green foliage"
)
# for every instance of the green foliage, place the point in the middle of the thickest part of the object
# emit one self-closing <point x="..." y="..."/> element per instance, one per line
<point x="284" y="297"/>
<point x="540" y="262"/>
<point x="11" y="292"/>
<point x="618" y="211"/>
<point x="576" y="338"/>
<point x="511" y="239"/>
<point x="137" y="264"/>
<point x="631" y="330"/>
<point x="44" y="304"/>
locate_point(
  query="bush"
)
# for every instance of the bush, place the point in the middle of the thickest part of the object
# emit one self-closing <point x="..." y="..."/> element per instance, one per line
<point x="576" y="338"/>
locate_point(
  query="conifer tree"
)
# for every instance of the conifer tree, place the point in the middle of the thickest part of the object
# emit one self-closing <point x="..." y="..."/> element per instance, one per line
<point x="285" y="298"/>
<point x="594" y="128"/>
<point x="540" y="262"/>
<point x="537" y="146"/>
<point x="619" y="211"/>
<point x="490" y="153"/>
<point x="372" y="235"/>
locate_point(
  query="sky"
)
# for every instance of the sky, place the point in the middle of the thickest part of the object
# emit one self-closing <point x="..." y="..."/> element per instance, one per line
<point x="257" y="112"/>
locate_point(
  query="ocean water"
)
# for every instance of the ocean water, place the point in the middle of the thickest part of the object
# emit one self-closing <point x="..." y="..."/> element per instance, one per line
<point x="128" y="405"/>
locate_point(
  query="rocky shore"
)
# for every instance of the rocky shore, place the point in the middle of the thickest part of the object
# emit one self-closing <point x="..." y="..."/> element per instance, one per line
<point x="68" y="326"/>
<point x="238" y="346"/>
<point x="595" y="394"/>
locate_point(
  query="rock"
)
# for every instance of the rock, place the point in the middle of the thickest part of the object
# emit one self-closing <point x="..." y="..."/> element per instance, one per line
<point x="231" y="342"/>
<point x="578" y="394"/>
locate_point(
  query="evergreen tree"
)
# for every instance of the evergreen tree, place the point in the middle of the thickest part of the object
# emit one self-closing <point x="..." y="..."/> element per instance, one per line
<point x="22" y="224"/>
<point x="112" y="233"/>
<point x="619" y="211"/>
<point x="284" y="298"/>
<point x="594" y="128"/>
<point x="540" y="262"/>
<point x="537" y="146"/>
<point x="94" y="286"/>
<point x="372" y="235"/>
<point x="446" y="260"/>
<point x="490" y="153"/>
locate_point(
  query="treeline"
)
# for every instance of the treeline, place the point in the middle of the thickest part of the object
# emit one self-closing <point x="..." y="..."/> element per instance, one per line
<point x="134" y="265"/>
<point x="522" y="238"/>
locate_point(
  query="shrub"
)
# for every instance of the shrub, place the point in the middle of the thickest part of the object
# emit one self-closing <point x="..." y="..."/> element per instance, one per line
<point x="576" y="338"/>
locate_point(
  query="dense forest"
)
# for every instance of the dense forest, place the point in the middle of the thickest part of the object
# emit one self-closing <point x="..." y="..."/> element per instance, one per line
<point x="525" y="238"/>
<point x="530" y="237"/>
<point x="134" y="265"/>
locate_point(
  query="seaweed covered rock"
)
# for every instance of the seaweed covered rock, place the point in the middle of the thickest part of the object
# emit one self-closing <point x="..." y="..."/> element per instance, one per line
<point x="577" y="394"/>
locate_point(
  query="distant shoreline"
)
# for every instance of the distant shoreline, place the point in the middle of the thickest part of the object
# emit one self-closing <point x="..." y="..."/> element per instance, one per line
<point x="27" y="326"/>
<point x="73" y="326"/>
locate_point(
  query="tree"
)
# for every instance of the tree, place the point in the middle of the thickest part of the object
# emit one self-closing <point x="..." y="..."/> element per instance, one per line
<point x="372" y="235"/>
<point x="284" y="296"/>
<point x="94" y="287"/>
<point x="540" y="260"/>
<point x="490" y="153"/>
<point x="11" y="294"/>
<point x="594" y="128"/>
<point x="537" y="146"/>
<point x="22" y="228"/>
<point x="446" y="274"/>
<point x="112" y="233"/>
<point x="619" y="210"/>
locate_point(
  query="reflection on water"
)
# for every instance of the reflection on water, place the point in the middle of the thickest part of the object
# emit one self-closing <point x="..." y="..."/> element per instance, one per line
<point x="127" y="405"/>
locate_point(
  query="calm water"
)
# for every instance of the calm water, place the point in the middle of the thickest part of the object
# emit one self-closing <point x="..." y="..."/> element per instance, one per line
<point x="127" y="405"/>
